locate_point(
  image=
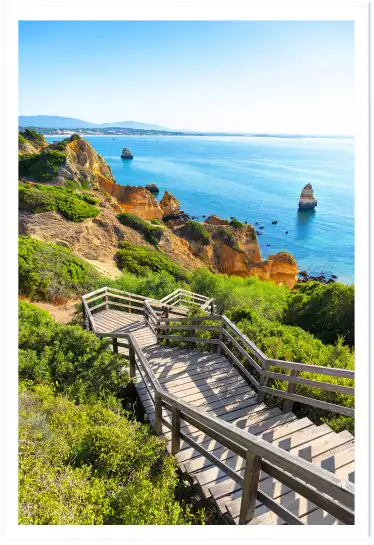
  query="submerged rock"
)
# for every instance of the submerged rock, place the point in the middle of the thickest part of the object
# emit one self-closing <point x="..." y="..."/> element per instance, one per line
<point x="307" y="200"/>
<point x="126" y="154"/>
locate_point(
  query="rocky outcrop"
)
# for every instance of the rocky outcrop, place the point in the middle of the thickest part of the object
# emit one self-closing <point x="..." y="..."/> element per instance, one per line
<point x="170" y="206"/>
<point x="152" y="188"/>
<point x="307" y="200"/>
<point x="136" y="200"/>
<point x="215" y="220"/>
<point x="281" y="268"/>
<point x="126" y="154"/>
<point x="235" y="251"/>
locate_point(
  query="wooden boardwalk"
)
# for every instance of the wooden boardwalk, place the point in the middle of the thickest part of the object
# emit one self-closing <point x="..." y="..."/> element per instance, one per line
<point x="212" y="384"/>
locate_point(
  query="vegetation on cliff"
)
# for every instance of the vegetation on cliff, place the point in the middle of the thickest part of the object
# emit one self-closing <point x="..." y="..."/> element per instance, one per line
<point x="73" y="205"/>
<point x="42" y="166"/>
<point x="32" y="136"/>
<point x="48" y="272"/>
<point x="140" y="259"/>
<point x="152" y="233"/>
<point x="197" y="232"/>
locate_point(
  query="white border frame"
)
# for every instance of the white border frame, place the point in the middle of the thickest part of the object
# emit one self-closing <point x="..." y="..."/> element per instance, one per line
<point x="12" y="14"/>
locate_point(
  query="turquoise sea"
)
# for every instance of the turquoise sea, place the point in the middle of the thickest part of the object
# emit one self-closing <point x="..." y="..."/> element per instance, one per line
<point x="255" y="179"/>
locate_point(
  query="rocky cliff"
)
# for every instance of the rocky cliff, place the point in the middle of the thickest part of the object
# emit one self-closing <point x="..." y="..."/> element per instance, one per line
<point x="234" y="250"/>
<point x="170" y="205"/>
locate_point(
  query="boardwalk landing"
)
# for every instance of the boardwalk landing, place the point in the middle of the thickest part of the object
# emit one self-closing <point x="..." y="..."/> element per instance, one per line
<point x="210" y="382"/>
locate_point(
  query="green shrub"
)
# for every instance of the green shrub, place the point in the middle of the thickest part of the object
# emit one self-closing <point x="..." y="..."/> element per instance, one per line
<point x="72" y="205"/>
<point x="229" y="238"/>
<point x="237" y="224"/>
<point x="268" y="299"/>
<point x="42" y="166"/>
<point x="34" y="137"/>
<point x="153" y="284"/>
<point x="152" y="233"/>
<point x="139" y="259"/>
<point x="67" y="358"/>
<point x="326" y="310"/>
<point x="48" y="272"/>
<point x="75" y="137"/>
<point x="284" y="342"/>
<point x="87" y="465"/>
<point x="196" y="231"/>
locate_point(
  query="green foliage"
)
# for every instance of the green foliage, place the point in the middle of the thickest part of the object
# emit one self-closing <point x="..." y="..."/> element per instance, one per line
<point x="284" y="342"/>
<point x="33" y="136"/>
<point x="152" y="233"/>
<point x="196" y="231"/>
<point x="268" y="299"/>
<point x="46" y="169"/>
<point x="326" y="310"/>
<point x="48" y="272"/>
<point x="237" y="224"/>
<point x="72" y="205"/>
<point x="153" y="284"/>
<point x="140" y="259"/>
<point x="67" y="358"/>
<point x="87" y="465"/>
<point x="229" y="238"/>
<point x="21" y="139"/>
<point x="26" y="161"/>
<point x="75" y="136"/>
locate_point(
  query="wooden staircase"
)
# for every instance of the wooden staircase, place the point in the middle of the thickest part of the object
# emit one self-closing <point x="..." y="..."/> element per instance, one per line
<point x="214" y="420"/>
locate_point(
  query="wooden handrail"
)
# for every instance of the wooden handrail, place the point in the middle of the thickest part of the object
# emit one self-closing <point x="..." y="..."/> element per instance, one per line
<point x="325" y="489"/>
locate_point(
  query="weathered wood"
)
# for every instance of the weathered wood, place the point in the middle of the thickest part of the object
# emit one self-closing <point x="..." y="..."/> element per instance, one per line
<point x="254" y="349"/>
<point x="250" y="487"/>
<point x="158" y="414"/>
<point x="242" y="351"/>
<point x="175" y="430"/>
<point x="262" y="382"/>
<point x="309" y="368"/>
<point x="195" y="318"/>
<point x="310" y="401"/>
<point x="295" y="379"/>
<point x="245" y="371"/>
<point x="115" y="345"/>
<point x="189" y="339"/>
<point x="287" y="406"/>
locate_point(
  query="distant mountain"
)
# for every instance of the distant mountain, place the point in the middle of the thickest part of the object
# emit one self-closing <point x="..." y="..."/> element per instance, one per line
<point x="57" y="122"/>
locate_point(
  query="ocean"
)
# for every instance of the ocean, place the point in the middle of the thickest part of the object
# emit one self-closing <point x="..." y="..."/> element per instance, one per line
<point x="254" y="179"/>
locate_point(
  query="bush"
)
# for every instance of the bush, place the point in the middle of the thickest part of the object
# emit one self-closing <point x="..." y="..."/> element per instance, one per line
<point x="138" y="259"/>
<point x="154" y="284"/>
<point x="284" y="342"/>
<point x="326" y="310"/>
<point x="228" y="237"/>
<point x="48" y="272"/>
<point x="68" y="359"/>
<point x="152" y="233"/>
<point x="72" y="205"/>
<point x="268" y="299"/>
<point x="237" y="224"/>
<point x="42" y="166"/>
<point x="33" y="136"/>
<point x="87" y="465"/>
<point x="196" y="231"/>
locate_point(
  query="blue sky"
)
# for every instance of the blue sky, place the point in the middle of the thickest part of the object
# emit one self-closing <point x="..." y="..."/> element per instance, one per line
<point x="280" y="76"/>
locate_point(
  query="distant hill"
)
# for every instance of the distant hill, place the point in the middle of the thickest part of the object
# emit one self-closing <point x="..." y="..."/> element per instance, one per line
<point x="57" y="122"/>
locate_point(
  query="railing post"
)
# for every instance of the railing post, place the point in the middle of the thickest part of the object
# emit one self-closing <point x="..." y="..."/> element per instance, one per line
<point x="158" y="414"/>
<point x="166" y="329"/>
<point x="263" y="381"/>
<point x="212" y="307"/>
<point x="250" y="487"/>
<point x="175" y="430"/>
<point x="106" y="301"/>
<point x="132" y="360"/>
<point x="115" y="345"/>
<point x="219" y="346"/>
<point x="192" y="334"/>
<point x="288" y="403"/>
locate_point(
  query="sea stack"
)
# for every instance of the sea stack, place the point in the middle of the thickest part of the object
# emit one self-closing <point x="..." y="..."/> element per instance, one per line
<point x="307" y="200"/>
<point x="126" y="154"/>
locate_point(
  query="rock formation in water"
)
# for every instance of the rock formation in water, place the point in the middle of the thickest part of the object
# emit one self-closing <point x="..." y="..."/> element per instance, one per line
<point x="152" y="188"/>
<point x="126" y="154"/>
<point x="307" y="200"/>
<point x="281" y="268"/>
<point x="170" y="205"/>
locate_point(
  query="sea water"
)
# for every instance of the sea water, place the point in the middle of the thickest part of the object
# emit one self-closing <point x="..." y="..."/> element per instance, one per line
<point x="254" y="179"/>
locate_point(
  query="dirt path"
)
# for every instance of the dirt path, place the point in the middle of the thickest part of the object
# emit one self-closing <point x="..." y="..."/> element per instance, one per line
<point x="60" y="313"/>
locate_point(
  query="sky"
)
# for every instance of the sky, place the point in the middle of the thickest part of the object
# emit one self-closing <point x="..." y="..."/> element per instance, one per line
<point x="234" y="76"/>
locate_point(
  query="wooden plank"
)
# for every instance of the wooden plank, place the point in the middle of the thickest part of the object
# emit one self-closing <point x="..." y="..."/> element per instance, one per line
<point x="310" y="401"/>
<point x="251" y="345"/>
<point x="242" y="351"/>
<point x="211" y="317"/>
<point x="310" y="368"/>
<point x="313" y="383"/>
<point x="189" y="339"/>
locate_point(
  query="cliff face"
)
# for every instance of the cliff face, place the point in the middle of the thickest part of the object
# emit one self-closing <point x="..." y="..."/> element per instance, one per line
<point x="281" y="268"/>
<point x="83" y="161"/>
<point x="170" y="205"/>
<point x="235" y="251"/>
